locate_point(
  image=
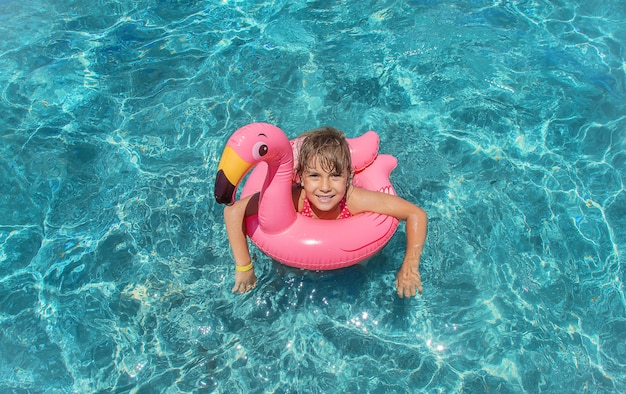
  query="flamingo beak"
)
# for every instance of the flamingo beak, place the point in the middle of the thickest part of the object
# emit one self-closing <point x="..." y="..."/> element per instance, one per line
<point x="230" y="171"/>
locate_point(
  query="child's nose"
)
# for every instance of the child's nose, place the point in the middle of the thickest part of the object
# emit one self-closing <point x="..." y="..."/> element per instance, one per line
<point x="325" y="184"/>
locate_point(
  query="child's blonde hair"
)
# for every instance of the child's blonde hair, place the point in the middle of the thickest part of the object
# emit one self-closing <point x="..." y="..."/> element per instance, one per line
<point x="329" y="146"/>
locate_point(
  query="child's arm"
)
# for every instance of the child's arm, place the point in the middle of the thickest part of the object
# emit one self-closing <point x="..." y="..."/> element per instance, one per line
<point x="234" y="218"/>
<point x="408" y="278"/>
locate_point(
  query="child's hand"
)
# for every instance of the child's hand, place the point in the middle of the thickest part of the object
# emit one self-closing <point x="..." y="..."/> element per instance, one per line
<point x="244" y="281"/>
<point x="407" y="280"/>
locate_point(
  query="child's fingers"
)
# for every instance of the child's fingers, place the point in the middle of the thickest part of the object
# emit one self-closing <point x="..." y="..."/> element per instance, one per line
<point x="406" y="291"/>
<point x="241" y="287"/>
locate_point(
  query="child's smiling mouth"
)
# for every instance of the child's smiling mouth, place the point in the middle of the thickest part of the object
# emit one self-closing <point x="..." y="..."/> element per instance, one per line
<point x="325" y="198"/>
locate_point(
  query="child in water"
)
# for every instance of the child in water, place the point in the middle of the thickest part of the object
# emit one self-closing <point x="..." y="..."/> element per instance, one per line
<point x="325" y="192"/>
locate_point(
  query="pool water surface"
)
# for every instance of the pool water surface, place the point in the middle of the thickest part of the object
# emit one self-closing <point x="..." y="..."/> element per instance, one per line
<point x="509" y="123"/>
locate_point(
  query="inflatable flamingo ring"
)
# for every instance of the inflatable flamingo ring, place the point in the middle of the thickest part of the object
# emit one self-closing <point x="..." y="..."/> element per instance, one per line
<point x="278" y="230"/>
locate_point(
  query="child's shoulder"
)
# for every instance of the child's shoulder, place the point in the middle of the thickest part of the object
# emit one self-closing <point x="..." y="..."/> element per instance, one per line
<point x="364" y="200"/>
<point x="297" y="196"/>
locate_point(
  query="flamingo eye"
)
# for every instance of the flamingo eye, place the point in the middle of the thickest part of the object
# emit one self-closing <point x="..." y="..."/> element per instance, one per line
<point x="259" y="150"/>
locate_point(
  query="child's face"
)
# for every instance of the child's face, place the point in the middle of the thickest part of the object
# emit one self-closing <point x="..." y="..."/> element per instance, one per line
<point x="324" y="190"/>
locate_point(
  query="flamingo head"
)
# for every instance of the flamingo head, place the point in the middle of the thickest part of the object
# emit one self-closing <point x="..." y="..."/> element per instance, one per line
<point x="247" y="147"/>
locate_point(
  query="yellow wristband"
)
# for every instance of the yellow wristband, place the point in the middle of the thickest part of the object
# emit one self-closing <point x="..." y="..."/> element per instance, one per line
<point x="244" y="268"/>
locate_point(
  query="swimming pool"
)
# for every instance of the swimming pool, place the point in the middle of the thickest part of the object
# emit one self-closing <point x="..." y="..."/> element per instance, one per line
<point x="509" y="123"/>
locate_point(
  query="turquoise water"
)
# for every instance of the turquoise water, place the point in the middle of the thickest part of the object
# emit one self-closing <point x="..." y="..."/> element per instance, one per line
<point x="509" y="123"/>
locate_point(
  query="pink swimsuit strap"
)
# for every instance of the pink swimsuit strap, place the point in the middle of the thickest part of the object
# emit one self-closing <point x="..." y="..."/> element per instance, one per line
<point x="345" y="212"/>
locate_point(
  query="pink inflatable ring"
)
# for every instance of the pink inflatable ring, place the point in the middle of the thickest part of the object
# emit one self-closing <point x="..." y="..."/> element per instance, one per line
<point x="278" y="230"/>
